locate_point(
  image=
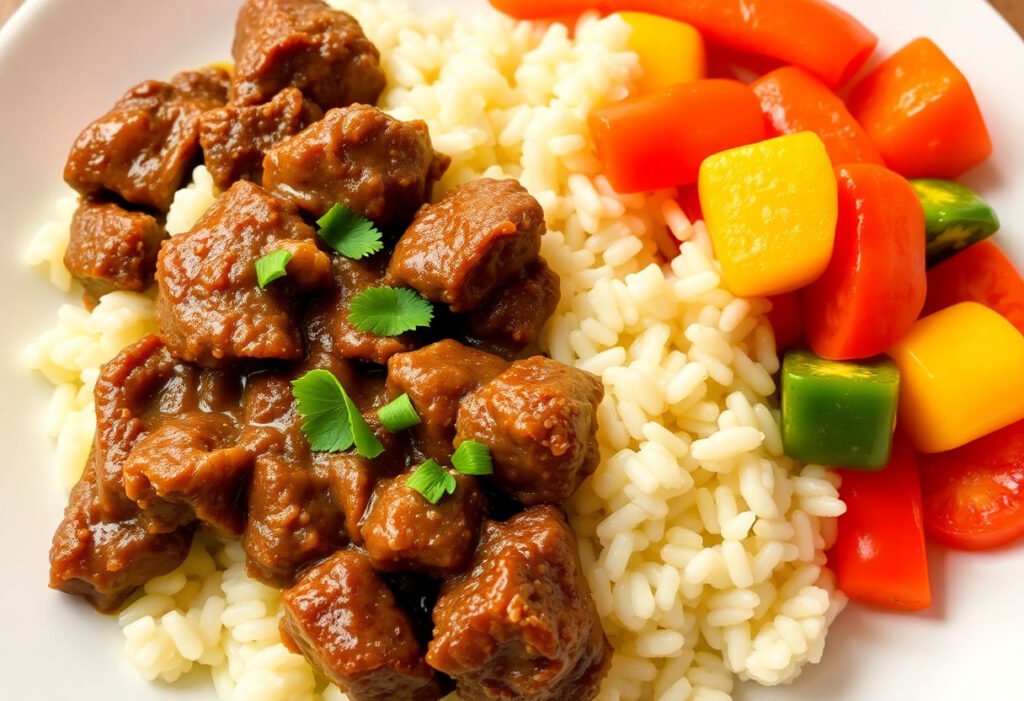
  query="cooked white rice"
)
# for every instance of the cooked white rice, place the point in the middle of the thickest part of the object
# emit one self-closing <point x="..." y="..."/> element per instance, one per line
<point x="704" y="546"/>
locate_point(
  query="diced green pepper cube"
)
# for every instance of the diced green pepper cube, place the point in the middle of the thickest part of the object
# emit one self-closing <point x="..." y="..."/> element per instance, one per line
<point x="955" y="217"/>
<point x="839" y="413"/>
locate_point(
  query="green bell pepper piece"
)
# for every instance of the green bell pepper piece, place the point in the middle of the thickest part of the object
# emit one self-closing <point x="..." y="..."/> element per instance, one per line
<point x="839" y="413"/>
<point x="955" y="218"/>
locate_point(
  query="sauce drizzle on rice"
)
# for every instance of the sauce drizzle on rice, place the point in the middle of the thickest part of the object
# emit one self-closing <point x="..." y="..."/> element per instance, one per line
<point x="704" y="547"/>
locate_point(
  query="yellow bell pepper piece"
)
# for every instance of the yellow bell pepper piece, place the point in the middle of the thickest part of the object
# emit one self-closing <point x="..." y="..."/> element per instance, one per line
<point x="962" y="377"/>
<point x="771" y="209"/>
<point x="670" y="52"/>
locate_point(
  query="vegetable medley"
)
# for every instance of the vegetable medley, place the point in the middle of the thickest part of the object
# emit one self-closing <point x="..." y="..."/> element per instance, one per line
<point x="901" y="320"/>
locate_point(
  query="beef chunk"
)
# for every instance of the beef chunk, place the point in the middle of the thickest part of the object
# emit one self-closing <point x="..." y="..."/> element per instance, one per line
<point x="404" y="531"/>
<point x="352" y="480"/>
<point x="381" y="168"/>
<point x="436" y="378"/>
<point x="539" y="420"/>
<point x="307" y="45"/>
<point x="143" y="148"/>
<point x="211" y="309"/>
<point x="207" y="87"/>
<point x="328" y="323"/>
<point x="236" y="137"/>
<point x="293" y="519"/>
<point x="192" y="467"/>
<point x="112" y="248"/>
<point x="521" y="624"/>
<point x="514" y="317"/>
<point x="465" y="247"/>
<point x="137" y="393"/>
<point x="105" y="561"/>
<point x="347" y="623"/>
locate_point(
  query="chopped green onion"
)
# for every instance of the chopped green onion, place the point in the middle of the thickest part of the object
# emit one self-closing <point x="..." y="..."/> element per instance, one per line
<point x="349" y="234"/>
<point x="432" y="481"/>
<point x="330" y="419"/>
<point x="398" y="414"/>
<point x="389" y="311"/>
<point x="272" y="267"/>
<point x="472" y="458"/>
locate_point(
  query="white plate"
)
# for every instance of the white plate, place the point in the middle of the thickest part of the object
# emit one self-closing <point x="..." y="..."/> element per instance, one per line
<point x="63" y="62"/>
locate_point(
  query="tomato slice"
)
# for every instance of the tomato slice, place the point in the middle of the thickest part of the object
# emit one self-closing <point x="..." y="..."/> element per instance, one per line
<point x="974" y="495"/>
<point x="983" y="274"/>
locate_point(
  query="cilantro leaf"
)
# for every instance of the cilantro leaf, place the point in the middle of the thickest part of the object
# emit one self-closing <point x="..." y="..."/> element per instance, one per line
<point x="330" y="419"/>
<point x="432" y="481"/>
<point x="349" y="234"/>
<point x="399" y="414"/>
<point x="272" y="267"/>
<point x="472" y="458"/>
<point x="366" y="442"/>
<point x="389" y="311"/>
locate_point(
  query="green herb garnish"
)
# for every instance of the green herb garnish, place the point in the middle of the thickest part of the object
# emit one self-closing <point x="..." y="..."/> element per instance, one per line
<point x="349" y="234"/>
<point x="389" y="311"/>
<point x="330" y="419"/>
<point x="472" y="458"/>
<point x="432" y="481"/>
<point x="398" y="414"/>
<point x="272" y="267"/>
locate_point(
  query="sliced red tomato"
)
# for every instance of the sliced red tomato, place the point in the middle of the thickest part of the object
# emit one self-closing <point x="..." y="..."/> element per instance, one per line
<point x="879" y="556"/>
<point x="974" y="495"/>
<point x="982" y="274"/>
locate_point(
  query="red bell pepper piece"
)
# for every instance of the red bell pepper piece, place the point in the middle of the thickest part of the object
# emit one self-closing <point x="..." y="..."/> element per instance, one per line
<point x="793" y="100"/>
<point x="874" y="287"/>
<point x="974" y="495"/>
<point x="921" y="113"/>
<point x="688" y="198"/>
<point x="879" y="556"/>
<point x="808" y="33"/>
<point x="659" y="140"/>
<point x="983" y="274"/>
<point x="787" y="320"/>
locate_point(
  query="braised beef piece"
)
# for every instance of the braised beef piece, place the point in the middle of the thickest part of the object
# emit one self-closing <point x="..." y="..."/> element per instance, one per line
<point x="146" y="449"/>
<point x="111" y="248"/>
<point x="102" y="560"/>
<point x="512" y="319"/>
<point x="211" y="308"/>
<point x="346" y="622"/>
<point x="327" y="320"/>
<point x="539" y="419"/>
<point x="521" y="623"/>
<point x="436" y="378"/>
<point x="143" y="148"/>
<point x="379" y="167"/>
<point x="192" y="467"/>
<point x="307" y="45"/>
<point x="293" y="519"/>
<point x="404" y="531"/>
<point x="353" y="477"/>
<point x="464" y="248"/>
<point x="236" y="137"/>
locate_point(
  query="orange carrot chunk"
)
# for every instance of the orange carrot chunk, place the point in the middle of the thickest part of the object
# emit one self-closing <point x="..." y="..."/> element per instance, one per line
<point x="793" y="100"/>
<point x="921" y="113"/>
<point x="659" y="140"/>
